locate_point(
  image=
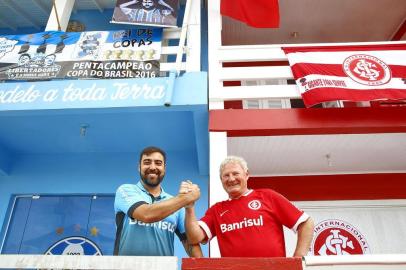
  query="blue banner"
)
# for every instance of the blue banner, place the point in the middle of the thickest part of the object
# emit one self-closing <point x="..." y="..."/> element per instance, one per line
<point x="48" y="55"/>
<point x="83" y="94"/>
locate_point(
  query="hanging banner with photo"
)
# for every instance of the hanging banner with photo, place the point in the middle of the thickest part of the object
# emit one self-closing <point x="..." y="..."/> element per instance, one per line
<point x="349" y="73"/>
<point x="49" y="55"/>
<point x="146" y="12"/>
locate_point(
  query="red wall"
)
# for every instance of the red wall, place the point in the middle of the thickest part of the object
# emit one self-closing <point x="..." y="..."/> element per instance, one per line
<point x="336" y="187"/>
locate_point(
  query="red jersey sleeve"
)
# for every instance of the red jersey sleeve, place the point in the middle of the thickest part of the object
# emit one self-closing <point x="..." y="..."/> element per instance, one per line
<point x="288" y="214"/>
<point x="208" y="222"/>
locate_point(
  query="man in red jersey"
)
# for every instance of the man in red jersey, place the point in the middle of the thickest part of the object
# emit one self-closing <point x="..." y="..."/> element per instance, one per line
<point x="250" y="223"/>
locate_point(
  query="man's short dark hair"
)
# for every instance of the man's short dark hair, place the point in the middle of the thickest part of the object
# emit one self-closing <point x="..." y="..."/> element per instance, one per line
<point x="152" y="149"/>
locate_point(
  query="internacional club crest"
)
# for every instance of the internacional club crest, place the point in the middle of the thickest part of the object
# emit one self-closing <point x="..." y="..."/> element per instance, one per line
<point x="367" y="69"/>
<point x="254" y="204"/>
<point x="74" y="245"/>
<point x="337" y="237"/>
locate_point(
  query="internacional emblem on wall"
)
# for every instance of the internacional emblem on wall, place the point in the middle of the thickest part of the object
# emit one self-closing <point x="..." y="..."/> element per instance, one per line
<point x="366" y="69"/>
<point x="74" y="245"/>
<point x="337" y="237"/>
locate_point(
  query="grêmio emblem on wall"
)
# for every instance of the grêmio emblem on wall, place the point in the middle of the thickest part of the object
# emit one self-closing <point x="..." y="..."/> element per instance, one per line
<point x="337" y="237"/>
<point x="74" y="245"/>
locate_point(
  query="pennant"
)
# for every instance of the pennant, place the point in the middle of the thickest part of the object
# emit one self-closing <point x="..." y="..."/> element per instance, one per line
<point x="349" y="73"/>
<point x="258" y="13"/>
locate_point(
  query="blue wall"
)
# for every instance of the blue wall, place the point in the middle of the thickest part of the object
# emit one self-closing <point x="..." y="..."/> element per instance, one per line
<point x="93" y="174"/>
<point x="96" y="21"/>
<point x="5" y="161"/>
<point x="20" y="31"/>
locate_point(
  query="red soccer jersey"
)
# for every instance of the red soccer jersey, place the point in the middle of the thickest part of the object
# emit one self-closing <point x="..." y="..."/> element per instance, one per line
<point x="251" y="226"/>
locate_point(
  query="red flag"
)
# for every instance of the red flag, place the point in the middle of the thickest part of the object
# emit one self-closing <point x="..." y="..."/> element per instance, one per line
<point x="353" y="73"/>
<point x="255" y="13"/>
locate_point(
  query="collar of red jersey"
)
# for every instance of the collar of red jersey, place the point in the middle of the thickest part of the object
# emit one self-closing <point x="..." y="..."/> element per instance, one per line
<point x="248" y="192"/>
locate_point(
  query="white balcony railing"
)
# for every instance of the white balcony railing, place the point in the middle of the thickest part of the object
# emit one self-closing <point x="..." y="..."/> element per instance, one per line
<point x="356" y="262"/>
<point x="183" y="44"/>
<point x="88" y="262"/>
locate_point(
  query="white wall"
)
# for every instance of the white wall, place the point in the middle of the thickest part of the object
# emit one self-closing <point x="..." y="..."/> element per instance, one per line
<point x="381" y="222"/>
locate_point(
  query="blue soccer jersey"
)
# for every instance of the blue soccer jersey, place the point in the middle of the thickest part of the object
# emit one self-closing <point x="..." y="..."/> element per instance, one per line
<point x="134" y="237"/>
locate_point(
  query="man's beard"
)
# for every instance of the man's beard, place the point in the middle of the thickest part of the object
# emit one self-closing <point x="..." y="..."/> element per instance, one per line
<point x="148" y="182"/>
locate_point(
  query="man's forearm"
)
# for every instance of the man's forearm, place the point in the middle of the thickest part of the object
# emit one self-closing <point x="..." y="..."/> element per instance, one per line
<point x="194" y="233"/>
<point x="304" y="238"/>
<point x="155" y="212"/>
<point x="196" y="251"/>
<point x="193" y="250"/>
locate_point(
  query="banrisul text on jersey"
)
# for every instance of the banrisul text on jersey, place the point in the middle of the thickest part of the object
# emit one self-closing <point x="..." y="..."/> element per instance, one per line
<point x="246" y="222"/>
<point x="163" y="225"/>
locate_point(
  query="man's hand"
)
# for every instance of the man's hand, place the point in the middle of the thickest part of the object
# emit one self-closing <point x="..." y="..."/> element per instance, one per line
<point x="184" y="187"/>
<point x="190" y="191"/>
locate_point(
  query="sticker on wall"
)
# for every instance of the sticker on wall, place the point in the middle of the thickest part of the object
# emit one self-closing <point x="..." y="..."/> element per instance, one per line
<point x="337" y="237"/>
<point x="75" y="245"/>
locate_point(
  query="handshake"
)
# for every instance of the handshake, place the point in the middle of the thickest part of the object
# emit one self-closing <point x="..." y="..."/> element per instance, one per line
<point x="189" y="191"/>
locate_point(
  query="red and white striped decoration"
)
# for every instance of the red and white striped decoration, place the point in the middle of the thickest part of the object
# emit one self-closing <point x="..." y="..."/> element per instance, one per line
<point x="351" y="73"/>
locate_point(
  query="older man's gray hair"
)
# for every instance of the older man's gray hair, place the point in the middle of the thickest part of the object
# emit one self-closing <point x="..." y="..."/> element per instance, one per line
<point x="234" y="160"/>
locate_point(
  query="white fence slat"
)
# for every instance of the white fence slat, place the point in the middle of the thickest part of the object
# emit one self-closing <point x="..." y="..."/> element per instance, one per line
<point x="255" y="73"/>
<point x="255" y="92"/>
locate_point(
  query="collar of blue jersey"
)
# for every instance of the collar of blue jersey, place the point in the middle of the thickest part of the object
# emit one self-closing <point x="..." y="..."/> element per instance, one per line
<point x="163" y="194"/>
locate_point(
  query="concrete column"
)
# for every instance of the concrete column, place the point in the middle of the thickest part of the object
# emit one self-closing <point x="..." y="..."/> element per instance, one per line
<point x="64" y="8"/>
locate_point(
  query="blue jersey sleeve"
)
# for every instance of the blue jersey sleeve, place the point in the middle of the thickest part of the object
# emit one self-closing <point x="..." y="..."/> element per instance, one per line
<point x="126" y="197"/>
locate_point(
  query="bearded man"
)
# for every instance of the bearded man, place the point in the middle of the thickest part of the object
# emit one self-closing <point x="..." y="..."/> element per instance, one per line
<point x="147" y="217"/>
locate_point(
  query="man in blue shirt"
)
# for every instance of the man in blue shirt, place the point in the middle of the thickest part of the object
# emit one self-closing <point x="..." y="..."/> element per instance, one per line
<point x="147" y="217"/>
